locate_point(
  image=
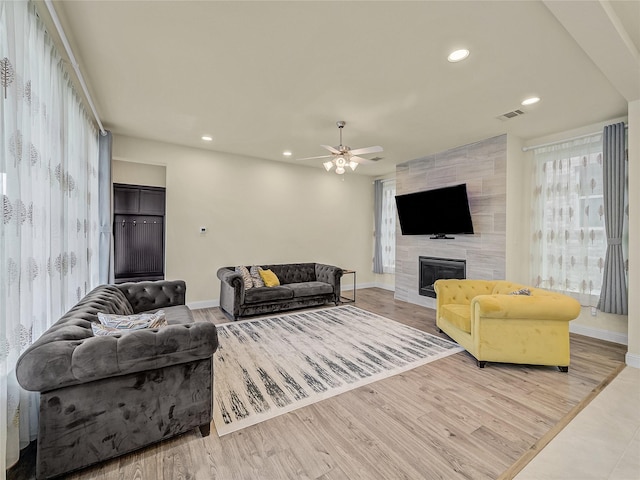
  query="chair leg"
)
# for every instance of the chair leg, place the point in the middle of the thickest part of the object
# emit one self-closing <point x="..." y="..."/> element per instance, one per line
<point x="563" y="369"/>
<point x="205" y="429"/>
<point x="481" y="363"/>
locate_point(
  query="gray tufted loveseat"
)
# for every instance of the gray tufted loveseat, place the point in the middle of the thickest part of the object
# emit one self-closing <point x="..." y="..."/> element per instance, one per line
<point x="101" y="397"/>
<point x="301" y="285"/>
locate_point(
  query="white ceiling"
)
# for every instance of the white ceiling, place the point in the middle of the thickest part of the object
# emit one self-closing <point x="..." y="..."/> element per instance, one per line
<point x="263" y="77"/>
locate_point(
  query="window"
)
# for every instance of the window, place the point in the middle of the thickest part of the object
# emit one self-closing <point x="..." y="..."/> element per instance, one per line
<point x="568" y="233"/>
<point x="385" y="234"/>
<point x="49" y="186"/>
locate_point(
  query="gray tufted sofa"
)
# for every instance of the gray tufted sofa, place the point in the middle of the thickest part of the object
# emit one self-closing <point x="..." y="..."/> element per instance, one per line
<point x="101" y="397"/>
<point x="301" y="285"/>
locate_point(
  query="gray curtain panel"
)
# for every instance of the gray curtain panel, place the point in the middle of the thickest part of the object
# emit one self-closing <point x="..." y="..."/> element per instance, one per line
<point x="104" y="206"/>
<point x="377" y="207"/>
<point x="613" y="296"/>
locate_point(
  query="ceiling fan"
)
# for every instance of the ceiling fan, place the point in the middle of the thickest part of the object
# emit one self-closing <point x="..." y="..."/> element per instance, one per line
<point x="343" y="156"/>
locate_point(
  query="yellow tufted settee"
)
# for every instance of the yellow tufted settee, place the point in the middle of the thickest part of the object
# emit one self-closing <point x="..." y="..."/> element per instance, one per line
<point x="494" y="326"/>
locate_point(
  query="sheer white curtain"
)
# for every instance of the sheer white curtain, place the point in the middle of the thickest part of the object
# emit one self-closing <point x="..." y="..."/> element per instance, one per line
<point x="384" y="249"/>
<point x="568" y="235"/>
<point x="388" y="227"/>
<point x="48" y="232"/>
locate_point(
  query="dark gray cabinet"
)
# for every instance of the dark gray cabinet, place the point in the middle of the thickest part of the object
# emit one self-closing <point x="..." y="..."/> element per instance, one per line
<point x="138" y="200"/>
<point x="138" y="232"/>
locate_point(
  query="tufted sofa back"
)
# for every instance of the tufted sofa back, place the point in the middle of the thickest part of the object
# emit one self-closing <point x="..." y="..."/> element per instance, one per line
<point x="461" y="292"/>
<point x="503" y="287"/>
<point x="76" y="323"/>
<point x="145" y="296"/>
<point x="293" y="272"/>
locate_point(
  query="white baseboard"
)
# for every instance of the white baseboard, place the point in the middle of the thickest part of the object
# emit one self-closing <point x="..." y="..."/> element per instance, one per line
<point x="203" y="304"/>
<point x="600" y="334"/>
<point x="344" y="287"/>
<point x="367" y="285"/>
<point x="632" y="360"/>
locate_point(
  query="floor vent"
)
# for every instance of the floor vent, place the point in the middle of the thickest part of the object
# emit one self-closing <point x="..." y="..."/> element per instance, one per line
<point x="510" y="115"/>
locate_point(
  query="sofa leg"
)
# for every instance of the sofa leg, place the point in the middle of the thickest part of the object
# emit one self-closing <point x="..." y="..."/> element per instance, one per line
<point x="205" y="429"/>
<point x="481" y="363"/>
<point x="563" y="369"/>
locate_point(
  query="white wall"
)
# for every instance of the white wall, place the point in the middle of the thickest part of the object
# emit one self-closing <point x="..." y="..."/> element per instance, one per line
<point x="138" y="174"/>
<point x="633" y="355"/>
<point x="518" y="213"/>
<point x="255" y="211"/>
<point x="382" y="280"/>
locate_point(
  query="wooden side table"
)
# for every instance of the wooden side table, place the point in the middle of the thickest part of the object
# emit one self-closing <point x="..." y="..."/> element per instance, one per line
<point x="344" y="299"/>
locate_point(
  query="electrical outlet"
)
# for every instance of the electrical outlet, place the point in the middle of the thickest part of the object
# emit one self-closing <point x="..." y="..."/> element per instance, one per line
<point x="203" y="229"/>
<point x="594" y="311"/>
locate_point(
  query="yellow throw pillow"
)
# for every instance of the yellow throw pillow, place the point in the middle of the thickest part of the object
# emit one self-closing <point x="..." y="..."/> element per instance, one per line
<point x="269" y="278"/>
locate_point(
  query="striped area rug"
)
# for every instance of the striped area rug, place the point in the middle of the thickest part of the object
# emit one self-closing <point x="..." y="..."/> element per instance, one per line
<point x="270" y="366"/>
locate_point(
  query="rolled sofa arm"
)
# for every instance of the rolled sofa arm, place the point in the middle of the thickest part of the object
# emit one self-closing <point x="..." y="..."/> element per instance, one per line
<point x="549" y="306"/>
<point x="230" y="276"/>
<point x="78" y="357"/>
<point x="231" y="290"/>
<point x="331" y="275"/>
<point x="328" y="274"/>
<point x="145" y="296"/>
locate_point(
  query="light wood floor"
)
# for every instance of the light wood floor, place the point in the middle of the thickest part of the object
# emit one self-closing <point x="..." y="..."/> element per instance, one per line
<point x="444" y="420"/>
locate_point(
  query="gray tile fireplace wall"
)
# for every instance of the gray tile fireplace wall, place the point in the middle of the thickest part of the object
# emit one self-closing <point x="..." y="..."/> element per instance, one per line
<point x="483" y="167"/>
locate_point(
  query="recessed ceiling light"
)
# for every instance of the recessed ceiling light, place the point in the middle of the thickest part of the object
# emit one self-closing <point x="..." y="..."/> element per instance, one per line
<point x="530" y="101"/>
<point x="207" y="138"/>
<point x="458" y="55"/>
<point x="286" y="153"/>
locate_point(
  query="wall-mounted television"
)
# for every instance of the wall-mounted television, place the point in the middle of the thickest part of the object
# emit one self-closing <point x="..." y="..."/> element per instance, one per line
<point x="435" y="212"/>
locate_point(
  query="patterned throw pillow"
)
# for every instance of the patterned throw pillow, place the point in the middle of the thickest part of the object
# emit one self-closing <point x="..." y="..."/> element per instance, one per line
<point x="255" y="276"/>
<point x="115" y="324"/>
<point x="269" y="278"/>
<point x="246" y="277"/>
<point x="100" y="330"/>
<point x="522" y="291"/>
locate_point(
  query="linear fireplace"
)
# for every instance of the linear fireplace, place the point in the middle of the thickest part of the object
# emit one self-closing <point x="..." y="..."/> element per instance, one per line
<point x="433" y="268"/>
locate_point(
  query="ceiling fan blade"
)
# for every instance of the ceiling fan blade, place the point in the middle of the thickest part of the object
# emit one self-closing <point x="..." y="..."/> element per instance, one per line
<point x="331" y="149"/>
<point x="363" y="151"/>
<point x="363" y="161"/>
<point x="313" y="158"/>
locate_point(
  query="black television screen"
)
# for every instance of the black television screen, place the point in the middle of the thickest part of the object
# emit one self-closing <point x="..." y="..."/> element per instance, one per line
<point x="435" y="212"/>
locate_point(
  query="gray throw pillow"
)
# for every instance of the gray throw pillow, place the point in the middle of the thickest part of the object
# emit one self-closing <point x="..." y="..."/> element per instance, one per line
<point x="246" y="276"/>
<point x="255" y="276"/>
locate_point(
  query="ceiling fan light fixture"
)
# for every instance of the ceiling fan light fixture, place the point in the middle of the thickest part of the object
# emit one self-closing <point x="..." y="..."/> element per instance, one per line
<point x="343" y="156"/>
